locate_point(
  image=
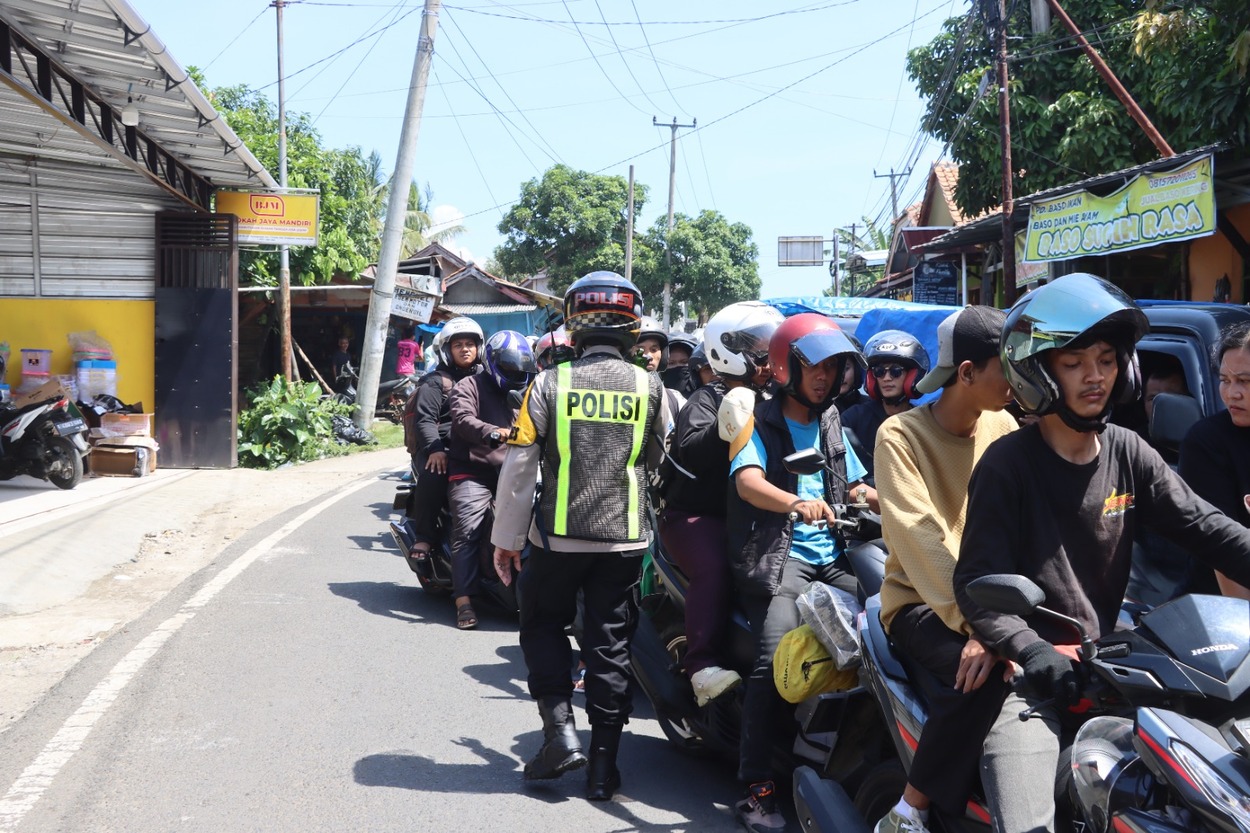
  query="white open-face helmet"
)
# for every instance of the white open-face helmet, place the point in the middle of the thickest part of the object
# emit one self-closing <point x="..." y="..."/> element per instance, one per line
<point x="736" y="338"/>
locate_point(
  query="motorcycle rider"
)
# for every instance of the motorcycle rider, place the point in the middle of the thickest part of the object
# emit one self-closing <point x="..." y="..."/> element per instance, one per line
<point x="677" y="376"/>
<point x="692" y="524"/>
<point x="701" y="372"/>
<point x="896" y="360"/>
<point x="1059" y="501"/>
<point x="461" y="342"/>
<point x="481" y="419"/>
<point x="553" y="348"/>
<point x="773" y="557"/>
<point x="652" y="350"/>
<point x="923" y="460"/>
<point x="593" y="426"/>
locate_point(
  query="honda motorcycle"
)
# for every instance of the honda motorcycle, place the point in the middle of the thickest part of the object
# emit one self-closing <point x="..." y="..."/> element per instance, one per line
<point x="825" y="723"/>
<point x="393" y="394"/>
<point x="1165" y="748"/>
<point x="43" y="439"/>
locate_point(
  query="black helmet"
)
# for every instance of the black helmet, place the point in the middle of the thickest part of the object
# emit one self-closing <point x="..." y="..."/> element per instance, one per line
<point x="900" y="348"/>
<point x="1070" y="313"/>
<point x="604" y="307"/>
<point x="698" y="359"/>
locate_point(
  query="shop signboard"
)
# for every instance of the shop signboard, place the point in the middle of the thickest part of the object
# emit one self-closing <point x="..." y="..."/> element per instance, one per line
<point x="936" y="282"/>
<point x="267" y="218"/>
<point x="427" y="284"/>
<point x="1153" y="208"/>
<point x="1027" y="273"/>
<point x="415" y="306"/>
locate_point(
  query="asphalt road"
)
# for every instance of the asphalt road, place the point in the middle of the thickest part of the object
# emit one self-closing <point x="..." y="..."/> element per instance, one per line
<point x="303" y="682"/>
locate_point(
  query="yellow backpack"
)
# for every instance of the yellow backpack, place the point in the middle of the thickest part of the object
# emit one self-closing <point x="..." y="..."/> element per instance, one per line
<point x="802" y="667"/>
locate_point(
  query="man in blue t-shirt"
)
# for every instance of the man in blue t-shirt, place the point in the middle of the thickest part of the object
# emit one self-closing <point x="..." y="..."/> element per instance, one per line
<point x="773" y="557"/>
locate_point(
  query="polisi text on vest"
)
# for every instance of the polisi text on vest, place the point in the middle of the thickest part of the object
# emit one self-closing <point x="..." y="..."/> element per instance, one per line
<point x="605" y="405"/>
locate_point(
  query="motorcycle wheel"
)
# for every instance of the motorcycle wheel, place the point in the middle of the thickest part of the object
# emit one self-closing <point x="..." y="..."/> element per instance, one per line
<point x="680" y="733"/>
<point x="63" y="463"/>
<point x="880" y="790"/>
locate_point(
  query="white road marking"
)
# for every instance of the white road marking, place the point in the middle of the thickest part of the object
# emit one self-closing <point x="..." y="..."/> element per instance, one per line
<point x="36" y="778"/>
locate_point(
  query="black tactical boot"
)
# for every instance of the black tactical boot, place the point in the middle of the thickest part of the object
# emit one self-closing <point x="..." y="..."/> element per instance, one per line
<point x="603" y="779"/>
<point x="561" y="750"/>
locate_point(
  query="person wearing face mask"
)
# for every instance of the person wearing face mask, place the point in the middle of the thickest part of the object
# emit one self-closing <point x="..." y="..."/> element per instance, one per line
<point x="896" y="362"/>
<point x="651" y="352"/>
<point x="676" y="376"/>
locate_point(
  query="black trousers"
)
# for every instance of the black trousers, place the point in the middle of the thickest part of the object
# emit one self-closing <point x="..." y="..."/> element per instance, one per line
<point x="548" y="587"/>
<point x="949" y="752"/>
<point x="765" y="716"/>
<point x="426" y="501"/>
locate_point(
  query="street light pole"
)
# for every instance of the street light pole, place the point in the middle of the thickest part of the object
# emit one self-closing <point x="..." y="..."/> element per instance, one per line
<point x="672" y="188"/>
<point x="284" y="252"/>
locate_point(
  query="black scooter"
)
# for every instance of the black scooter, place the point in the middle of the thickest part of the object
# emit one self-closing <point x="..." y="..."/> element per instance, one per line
<point x="393" y="394"/>
<point x="826" y="723"/>
<point x="1163" y="744"/>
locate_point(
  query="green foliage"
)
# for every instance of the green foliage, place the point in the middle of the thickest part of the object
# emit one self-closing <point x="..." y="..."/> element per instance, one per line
<point x="570" y="222"/>
<point x="417" y="223"/>
<point x="287" y="422"/>
<point x="1186" y="68"/>
<point x="714" y="263"/>
<point x="353" y="193"/>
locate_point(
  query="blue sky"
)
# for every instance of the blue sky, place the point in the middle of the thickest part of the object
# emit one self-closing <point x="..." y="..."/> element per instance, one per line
<point x="795" y="110"/>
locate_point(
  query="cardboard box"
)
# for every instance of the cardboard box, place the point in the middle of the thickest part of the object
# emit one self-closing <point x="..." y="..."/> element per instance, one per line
<point x="48" y="390"/>
<point x="123" y="457"/>
<point x="126" y="425"/>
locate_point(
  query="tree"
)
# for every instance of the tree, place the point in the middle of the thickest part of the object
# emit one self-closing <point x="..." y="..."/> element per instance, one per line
<point x="865" y="237"/>
<point x="715" y="263"/>
<point x="569" y="223"/>
<point x="417" y="223"/>
<point x="1186" y="68"/>
<point x="353" y="194"/>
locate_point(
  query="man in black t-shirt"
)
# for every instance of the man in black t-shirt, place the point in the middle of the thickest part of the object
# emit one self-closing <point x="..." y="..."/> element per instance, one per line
<point x="1059" y="502"/>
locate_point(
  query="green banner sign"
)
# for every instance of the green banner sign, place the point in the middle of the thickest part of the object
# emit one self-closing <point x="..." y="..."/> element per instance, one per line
<point x="1156" y="208"/>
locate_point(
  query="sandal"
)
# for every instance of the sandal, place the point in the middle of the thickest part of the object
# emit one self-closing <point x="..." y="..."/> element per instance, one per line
<point x="579" y="681"/>
<point x="466" y="618"/>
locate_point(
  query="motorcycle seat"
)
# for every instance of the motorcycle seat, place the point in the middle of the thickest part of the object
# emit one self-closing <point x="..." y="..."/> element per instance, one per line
<point x="881" y="647"/>
<point x="11" y="412"/>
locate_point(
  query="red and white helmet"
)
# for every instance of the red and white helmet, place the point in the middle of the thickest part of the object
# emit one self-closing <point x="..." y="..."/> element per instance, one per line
<point x="736" y="338"/>
<point x="553" y="348"/>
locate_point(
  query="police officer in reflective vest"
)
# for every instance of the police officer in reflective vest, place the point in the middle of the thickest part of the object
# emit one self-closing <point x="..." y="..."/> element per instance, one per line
<point x="592" y="425"/>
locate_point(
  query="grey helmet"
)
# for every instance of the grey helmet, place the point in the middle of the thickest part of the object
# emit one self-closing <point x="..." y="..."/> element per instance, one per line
<point x="1071" y="312"/>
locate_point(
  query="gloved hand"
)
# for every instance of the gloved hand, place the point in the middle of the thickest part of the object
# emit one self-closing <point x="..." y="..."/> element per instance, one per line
<point x="1050" y="674"/>
<point x="735" y="419"/>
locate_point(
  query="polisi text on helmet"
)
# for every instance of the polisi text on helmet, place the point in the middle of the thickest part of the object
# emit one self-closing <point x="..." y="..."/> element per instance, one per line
<point x="610" y="298"/>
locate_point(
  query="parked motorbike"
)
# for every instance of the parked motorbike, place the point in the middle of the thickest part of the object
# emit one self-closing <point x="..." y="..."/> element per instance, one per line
<point x="392" y="395"/>
<point x="44" y="440"/>
<point x="433" y="572"/>
<point x="825" y="723"/>
<point x="1164" y="742"/>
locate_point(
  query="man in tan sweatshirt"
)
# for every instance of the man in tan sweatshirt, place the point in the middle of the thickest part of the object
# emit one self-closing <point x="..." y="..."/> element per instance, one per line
<point x="924" y="458"/>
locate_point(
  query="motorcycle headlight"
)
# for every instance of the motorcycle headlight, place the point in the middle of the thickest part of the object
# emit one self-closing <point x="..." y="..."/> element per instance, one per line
<point x="1223" y="796"/>
<point x="1103" y="749"/>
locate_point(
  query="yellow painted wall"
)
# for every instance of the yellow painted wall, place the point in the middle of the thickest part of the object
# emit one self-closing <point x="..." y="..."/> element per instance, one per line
<point x="129" y="326"/>
<point x="1212" y="257"/>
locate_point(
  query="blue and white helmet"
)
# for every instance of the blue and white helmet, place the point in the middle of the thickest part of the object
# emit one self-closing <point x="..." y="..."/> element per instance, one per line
<point x="509" y="360"/>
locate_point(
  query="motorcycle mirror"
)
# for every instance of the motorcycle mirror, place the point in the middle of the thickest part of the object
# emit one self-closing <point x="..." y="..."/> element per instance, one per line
<point x="1013" y="595"/>
<point x="809" y="461"/>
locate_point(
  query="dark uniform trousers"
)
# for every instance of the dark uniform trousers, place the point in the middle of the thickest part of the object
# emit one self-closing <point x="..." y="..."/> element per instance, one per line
<point x="548" y="587"/>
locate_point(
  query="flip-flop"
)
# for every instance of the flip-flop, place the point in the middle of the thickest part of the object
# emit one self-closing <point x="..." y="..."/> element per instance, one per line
<point x="579" y="681"/>
<point x="466" y="618"/>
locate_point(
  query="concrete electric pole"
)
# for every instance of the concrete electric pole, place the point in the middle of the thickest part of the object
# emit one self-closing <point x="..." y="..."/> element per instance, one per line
<point x="284" y="252"/>
<point x="893" y="189"/>
<point x="392" y="235"/>
<point x="672" y="188"/>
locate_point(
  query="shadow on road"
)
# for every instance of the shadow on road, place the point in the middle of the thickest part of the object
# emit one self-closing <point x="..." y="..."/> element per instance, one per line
<point x="409" y="603"/>
<point x="506" y="676"/>
<point x="382" y="543"/>
<point x="650" y="772"/>
<point x="381" y="511"/>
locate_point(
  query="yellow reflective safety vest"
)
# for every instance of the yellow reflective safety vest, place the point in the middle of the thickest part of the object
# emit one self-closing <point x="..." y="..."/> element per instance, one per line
<point x="600" y="414"/>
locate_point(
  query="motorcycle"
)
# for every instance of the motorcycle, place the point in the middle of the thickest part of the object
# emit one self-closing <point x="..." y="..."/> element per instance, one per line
<point x="825" y="723"/>
<point x="393" y="394"/>
<point x="43" y="439"/>
<point x="1164" y="742"/>
<point x="433" y="571"/>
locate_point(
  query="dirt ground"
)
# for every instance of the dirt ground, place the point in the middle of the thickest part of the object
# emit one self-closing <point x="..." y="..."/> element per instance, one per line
<point x="82" y="574"/>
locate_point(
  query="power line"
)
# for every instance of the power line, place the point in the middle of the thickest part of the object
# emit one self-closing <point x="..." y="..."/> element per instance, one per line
<point x="654" y="60"/>
<point x="706" y="172"/>
<point x="469" y="147"/>
<point x="359" y="64"/>
<point x="242" y="32"/>
<point x="736" y="21"/>
<point x="624" y="61"/>
<point x="586" y="43"/>
<point x="336" y="53"/>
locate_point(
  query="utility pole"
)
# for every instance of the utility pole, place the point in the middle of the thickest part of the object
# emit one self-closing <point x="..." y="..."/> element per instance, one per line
<point x="672" y="189"/>
<point x="284" y="252"/>
<point x="893" y="189"/>
<point x="1143" y="121"/>
<point x="392" y="234"/>
<point x="629" y="231"/>
<point x="999" y="18"/>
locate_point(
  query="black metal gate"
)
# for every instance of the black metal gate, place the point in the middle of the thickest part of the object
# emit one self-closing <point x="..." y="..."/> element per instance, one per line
<point x="197" y="344"/>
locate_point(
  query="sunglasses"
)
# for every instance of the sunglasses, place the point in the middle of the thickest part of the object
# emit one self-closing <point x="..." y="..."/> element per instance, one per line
<point x="894" y="371"/>
<point x="759" y="359"/>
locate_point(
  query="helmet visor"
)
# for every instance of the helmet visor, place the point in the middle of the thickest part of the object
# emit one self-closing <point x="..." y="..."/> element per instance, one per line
<point x="814" y="348"/>
<point x="1055" y="315"/>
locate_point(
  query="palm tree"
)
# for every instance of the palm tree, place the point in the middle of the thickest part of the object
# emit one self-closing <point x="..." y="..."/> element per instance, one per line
<point x="417" y="222"/>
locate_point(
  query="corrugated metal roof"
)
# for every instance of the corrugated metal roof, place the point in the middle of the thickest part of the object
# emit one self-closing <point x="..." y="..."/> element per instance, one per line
<point x="107" y="47"/>
<point x="488" y="309"/>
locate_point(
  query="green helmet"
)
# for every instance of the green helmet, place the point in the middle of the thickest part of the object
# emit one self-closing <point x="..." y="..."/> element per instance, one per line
<point x="1070" y="312"/>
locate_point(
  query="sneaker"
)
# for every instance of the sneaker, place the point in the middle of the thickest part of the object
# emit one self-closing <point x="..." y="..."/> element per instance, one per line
<point x="758" y="811"/>
<point x="896" y="822"/>
<point x="713" y="681"/>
